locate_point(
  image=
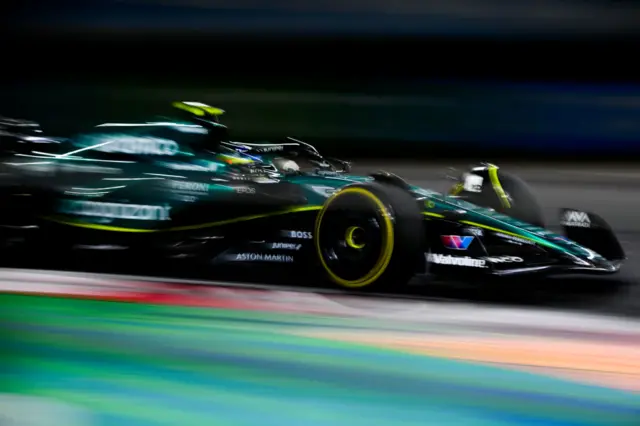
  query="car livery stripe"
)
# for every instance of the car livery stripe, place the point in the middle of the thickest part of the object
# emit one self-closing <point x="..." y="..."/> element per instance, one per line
<point x="182" y="228"/>
<point x="433" y="214"/>
<point x="540" y="241"/>
<point x="497" y="186"/>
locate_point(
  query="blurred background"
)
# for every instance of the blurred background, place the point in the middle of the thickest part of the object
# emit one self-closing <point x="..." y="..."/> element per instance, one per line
<point x="472" y="79"/>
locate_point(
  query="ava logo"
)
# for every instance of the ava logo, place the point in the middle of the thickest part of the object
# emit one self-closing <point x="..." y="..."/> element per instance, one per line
<point x="573" y="218"/>
<point x="456" y="242"/>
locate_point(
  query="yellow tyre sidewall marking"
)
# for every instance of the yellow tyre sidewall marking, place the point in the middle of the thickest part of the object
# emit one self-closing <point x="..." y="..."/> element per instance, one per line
<point x="387" y="241"/>
<point x="349" y="238"/>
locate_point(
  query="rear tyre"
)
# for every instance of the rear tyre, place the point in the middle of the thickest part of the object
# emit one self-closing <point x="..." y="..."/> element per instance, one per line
<point x="370" y="236"/>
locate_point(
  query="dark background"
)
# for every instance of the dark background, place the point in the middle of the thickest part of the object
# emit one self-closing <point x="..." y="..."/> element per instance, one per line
<point x="546" y="80"/>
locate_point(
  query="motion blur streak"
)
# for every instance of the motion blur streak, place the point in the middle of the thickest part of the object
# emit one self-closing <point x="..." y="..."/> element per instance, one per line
<point x="134" y="364"/>
<point x="331" y="17"/>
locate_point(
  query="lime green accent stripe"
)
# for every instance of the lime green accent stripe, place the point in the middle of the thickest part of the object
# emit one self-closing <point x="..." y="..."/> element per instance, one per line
<point x="497" y="186"/>
<point x="491" y="228"/>
<point x="433" y="214"/>
<point x="184" y="228"/>
<point x="199" y="110"/>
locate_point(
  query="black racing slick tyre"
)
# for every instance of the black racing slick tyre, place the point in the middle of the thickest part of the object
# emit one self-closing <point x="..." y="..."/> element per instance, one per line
<point x="505" y="193"/>
<point x="370" y="236"/>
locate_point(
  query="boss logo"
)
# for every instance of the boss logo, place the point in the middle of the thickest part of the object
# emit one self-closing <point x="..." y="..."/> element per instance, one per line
<point x="301" y="235"/>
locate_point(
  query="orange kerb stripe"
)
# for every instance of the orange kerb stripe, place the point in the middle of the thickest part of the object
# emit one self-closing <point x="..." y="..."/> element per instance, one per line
<point x="604" y="363"/>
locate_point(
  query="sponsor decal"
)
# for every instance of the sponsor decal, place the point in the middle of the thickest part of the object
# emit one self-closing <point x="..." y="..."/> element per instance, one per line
<point x="474" y="231"/>
<point x="445" y="259"/>
<point x="269" y="148"/>
<point x="245" y="190"/>
<point x="286" y="246"/>
<point x="574" y="218"/>
<point x="472" y="183"/>
<point x="209" y="167"/>
<point x="264" y="179"/>
<point x="327" y="173"/>
<point x="456" y="242"/>
<point x="137" y="145"/>
<point x="503" y="259"/>
<point x="116" y="210"/>
<point x="262" y="257"/>
<point x="300" y="235"/>
<point x="180" y="185"/>
<point x="239" y="177"/>
<point x="514" y="239"/>
<point x="323" y="190"/>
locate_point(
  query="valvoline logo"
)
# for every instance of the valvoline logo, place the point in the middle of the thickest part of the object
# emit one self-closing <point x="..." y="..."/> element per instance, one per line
<point x="456" y="242"/>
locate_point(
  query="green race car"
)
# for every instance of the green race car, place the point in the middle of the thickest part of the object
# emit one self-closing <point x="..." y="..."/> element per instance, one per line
<point x="179" y="190"/>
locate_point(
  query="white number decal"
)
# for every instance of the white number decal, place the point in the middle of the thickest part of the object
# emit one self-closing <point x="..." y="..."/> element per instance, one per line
<point x="472" y="183"/>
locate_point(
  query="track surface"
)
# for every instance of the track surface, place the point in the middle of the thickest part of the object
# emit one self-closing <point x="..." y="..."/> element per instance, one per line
<point x="171" y="362"/>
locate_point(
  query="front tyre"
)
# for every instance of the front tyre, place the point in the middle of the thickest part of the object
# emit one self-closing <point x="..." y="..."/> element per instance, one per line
<point x="504" y="192"/>
<point x="370" y="236"/>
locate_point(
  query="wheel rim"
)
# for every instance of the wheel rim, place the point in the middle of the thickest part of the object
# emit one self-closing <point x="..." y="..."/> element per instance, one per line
<point x="354" y="237"/>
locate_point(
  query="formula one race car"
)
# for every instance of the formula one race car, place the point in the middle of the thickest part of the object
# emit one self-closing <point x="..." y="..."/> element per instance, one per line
<point x="180" y="190"/>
